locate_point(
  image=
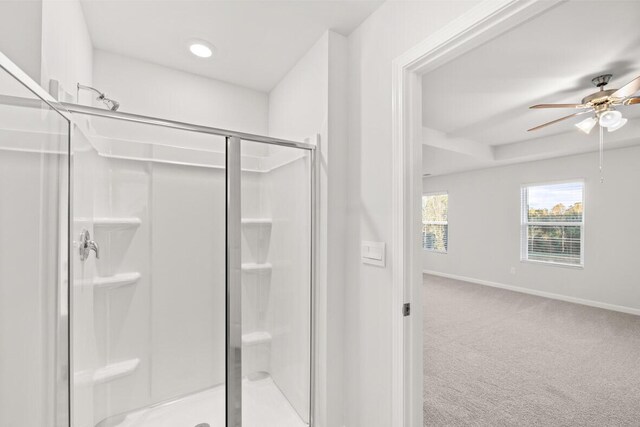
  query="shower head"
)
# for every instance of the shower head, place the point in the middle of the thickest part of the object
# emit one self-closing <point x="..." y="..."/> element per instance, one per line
<point x="111" y="104"/>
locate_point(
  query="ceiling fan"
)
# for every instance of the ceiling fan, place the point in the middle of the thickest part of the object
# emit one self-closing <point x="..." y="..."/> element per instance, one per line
<point x="601" y="103"/>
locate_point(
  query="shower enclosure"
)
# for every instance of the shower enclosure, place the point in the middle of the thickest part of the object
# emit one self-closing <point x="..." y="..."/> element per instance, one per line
<point x="152" y="273"/>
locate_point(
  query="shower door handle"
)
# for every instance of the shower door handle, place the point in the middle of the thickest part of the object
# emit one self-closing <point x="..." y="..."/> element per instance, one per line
<point x="87" y="245"/>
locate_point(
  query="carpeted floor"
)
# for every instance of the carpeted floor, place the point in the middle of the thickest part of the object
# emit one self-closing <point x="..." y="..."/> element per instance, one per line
<point x="499" y="358"/>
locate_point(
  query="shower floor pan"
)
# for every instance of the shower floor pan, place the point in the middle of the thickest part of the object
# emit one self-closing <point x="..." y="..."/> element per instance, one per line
<point x="264" y="405"/>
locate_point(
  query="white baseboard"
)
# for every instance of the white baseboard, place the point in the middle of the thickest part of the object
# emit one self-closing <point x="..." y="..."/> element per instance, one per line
<point x="590" y="303"/>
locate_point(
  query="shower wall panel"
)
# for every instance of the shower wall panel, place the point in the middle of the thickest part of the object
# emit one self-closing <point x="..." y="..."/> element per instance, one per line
<point x="276" y="277"/>
<point x="188" y="264"/>
<point x="27" y="289"/>
<point x="160" y="336"/>
<point x="122" y="314"/>
<point x="287" y="191"/>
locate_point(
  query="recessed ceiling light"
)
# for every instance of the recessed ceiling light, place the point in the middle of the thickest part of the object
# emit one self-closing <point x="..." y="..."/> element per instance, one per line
<point x="201" y="49"/>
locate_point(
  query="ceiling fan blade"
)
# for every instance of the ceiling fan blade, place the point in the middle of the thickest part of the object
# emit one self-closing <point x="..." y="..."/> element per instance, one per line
<point x="560" y="119"/>
<point x="627" y="90"/>
<point x="631" y="101"/>
<point x="559" y="106"/>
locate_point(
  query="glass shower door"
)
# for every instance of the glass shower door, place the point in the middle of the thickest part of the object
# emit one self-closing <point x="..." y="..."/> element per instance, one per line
<point x="34" y="218"/>
<point x="199" y="312"/>
<point x="153" y="313"/>
<point x="275" y="285"/>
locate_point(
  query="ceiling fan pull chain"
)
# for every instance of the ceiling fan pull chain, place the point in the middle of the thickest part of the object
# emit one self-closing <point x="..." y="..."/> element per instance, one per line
<point x="601" y="153"/>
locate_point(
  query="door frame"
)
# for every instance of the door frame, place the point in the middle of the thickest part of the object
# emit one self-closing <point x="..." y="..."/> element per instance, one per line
<point x="478" y="25"/>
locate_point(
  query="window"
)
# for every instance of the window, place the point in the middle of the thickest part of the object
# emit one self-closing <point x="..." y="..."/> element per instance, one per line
<point x="553" y="223"/>
<point x="435" y="226"/>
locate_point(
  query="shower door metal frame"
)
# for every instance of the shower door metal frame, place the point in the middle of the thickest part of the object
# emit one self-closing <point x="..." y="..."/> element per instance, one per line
<point x="233" y="335"/>
<point x="233" y="344"/>
<point x="233" y="272"/>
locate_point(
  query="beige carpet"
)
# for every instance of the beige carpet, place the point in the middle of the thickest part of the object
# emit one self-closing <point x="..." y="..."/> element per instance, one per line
<point x="498" y="358"/>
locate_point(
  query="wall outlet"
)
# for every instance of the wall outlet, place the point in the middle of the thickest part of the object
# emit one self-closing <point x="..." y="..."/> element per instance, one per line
<point x="512" y="270"/>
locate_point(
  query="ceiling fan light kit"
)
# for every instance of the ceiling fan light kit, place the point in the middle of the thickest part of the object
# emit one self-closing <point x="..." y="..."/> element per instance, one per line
<point x="618" y="126"/>
<point x="587" y="124"/>
<point x="610" y="118"/>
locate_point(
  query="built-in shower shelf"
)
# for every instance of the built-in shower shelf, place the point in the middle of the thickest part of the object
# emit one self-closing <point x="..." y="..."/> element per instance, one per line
<point x="115" y="370"/>
<point x="257" y="221"/>
<point x="113" y="223"/>
<point x="117" y="223"/>
<point x="255" y="338"/>
<point x="111" y="282"/>
<point x="253" y="267"/>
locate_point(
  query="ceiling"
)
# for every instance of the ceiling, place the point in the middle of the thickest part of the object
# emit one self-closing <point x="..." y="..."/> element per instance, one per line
<point x="481" y="99"/>
<point x="256" y="42"/>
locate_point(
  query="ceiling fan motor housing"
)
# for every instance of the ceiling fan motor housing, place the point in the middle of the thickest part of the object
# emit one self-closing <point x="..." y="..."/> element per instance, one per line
<point x="599" y="98"/>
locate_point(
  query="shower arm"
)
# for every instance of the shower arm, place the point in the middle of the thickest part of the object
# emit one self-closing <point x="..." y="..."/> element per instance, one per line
<point x="100" y="94"/>
<point x="111" y="104"/>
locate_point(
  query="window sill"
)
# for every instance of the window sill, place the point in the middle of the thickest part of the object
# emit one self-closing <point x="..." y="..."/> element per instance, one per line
<point x="432" y="251"/>
<point x="554" y="264"/>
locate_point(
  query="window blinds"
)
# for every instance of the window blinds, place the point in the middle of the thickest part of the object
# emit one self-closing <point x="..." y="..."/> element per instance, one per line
<point x="435" y="224"/>
<point x="553" y="223"/>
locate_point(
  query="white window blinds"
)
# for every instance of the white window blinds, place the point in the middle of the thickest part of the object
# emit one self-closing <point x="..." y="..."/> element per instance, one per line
<point x="553" y="223"/>
<point x="435" y="223"/>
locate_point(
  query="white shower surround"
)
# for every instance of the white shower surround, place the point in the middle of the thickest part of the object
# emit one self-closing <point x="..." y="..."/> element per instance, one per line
<point x="173" y="292"/>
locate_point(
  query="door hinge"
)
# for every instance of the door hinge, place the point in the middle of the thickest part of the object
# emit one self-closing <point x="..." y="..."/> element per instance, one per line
<point x="406" y="309"/>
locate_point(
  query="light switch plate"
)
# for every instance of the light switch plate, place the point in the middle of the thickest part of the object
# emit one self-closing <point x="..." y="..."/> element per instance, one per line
<point x="373" y="253"/>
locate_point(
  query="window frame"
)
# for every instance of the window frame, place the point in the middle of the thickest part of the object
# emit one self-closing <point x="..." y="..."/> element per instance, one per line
<point x="525" y="223"/>
<point x="436" y="193"/>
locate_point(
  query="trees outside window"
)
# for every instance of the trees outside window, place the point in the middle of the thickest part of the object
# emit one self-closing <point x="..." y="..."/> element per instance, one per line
<point x="435" y="224"/>
<point x="553" y="223"/>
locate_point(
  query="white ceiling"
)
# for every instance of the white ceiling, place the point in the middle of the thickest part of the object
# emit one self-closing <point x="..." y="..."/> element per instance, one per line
<point x="482" y="97"/>
<point x="256" y="42"/>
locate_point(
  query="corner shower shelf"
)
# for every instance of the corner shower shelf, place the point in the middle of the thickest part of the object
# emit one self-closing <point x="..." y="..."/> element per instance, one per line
<point x="252" y="267"/>
<point x="114" y="223"/>
<point x="257" y="221"/>
<point x="114" y="371"/>
<point x="117" y="223"/>
<point x="111" y="282"/>
<point x="255" y="338"/>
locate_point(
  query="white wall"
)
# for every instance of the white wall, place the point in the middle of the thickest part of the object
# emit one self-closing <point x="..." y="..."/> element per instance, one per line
<point x="21" y="34"/>
<point x="298" y="103"/>
<point x="387" y="33"/>
<point x="484" y="227"/>
<point x="310" y="100"/>
<point x="153" y="90"/>
<point x="48" y="39"/>
<point x="67" y="51"/>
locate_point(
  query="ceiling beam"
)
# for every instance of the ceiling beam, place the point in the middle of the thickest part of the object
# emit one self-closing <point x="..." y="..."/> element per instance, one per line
<point x="438" y="139"/>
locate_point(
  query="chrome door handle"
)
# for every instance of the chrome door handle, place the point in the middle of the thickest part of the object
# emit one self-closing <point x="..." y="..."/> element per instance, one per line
<point x="87" y="245"/>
